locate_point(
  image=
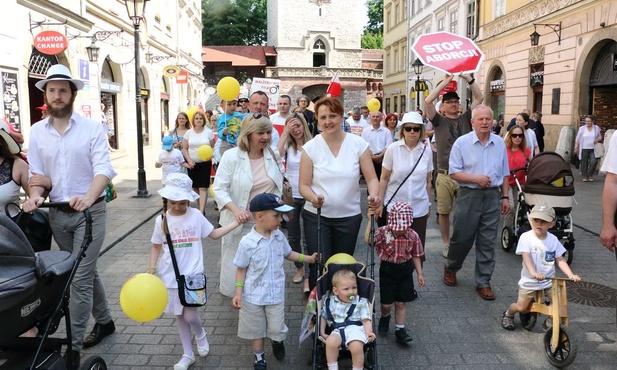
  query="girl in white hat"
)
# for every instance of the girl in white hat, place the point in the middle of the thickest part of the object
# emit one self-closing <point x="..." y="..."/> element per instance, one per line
<point x="187" y="226"/>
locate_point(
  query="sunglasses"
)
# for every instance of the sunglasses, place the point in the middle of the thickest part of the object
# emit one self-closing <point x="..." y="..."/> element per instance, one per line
<point x="257" y="115"/>
<point x="243" y="101"/>
<point x="514" y="136"/>
<point x="409" y="129"/>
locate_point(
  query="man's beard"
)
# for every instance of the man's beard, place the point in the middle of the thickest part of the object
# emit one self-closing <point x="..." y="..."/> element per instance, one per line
<point x="63" y="112"/>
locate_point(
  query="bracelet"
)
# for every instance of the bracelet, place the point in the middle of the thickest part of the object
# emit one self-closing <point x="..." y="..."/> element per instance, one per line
<point x="505" y="197"/>
<point x="301" y="258"/>
<point x="471" y="81"/>
<point x="239" y="284"/>
<point x="152" y="268"/>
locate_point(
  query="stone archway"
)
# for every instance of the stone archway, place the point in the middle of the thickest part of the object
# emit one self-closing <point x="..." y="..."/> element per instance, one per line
<point x="315" y="92"/>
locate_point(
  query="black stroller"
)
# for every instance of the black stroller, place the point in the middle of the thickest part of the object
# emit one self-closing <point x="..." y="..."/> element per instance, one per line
<point x="34" y="293"/>
<point x="549" y="181"/>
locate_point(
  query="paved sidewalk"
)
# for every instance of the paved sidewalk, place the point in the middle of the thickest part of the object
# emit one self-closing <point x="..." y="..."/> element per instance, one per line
<point x="452" y="327"/>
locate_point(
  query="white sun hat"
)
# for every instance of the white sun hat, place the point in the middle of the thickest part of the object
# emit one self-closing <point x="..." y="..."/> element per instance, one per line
<point x="178" y="186"/>
<point x="59" y="72"/>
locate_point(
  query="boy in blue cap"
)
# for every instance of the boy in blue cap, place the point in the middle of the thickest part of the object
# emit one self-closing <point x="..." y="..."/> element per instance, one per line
<point x="170" y="159"/>
<point x="259" y="259"/>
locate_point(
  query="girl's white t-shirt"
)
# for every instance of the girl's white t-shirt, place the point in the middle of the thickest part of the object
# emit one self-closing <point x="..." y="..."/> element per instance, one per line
<point x="292" y="170"/>
<point x="186" y="233"/>
<point x="543" y="254"/>
<point x="196" y="140"/>
<point x="337" y="178"/>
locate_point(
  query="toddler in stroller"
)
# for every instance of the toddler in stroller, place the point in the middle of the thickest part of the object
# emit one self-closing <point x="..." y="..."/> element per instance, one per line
<point x="549" y="181"/>
<point x="34" y="292"/>
<point x="345" y="304"/>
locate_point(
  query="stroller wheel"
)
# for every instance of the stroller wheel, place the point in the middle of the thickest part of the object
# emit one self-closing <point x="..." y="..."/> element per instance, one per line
<point x="93" y="363"/>
<point x="569" y="255"/>
<point x="507" y="238"/>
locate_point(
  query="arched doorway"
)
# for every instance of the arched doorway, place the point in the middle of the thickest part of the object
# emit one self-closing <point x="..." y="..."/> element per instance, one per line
<point x="38" y="65"/>
<point x="315" y="92"/>
<point x="164" y="107"/>
<point x="497" y="86"/>
<point x="603" y="85"/>
<point x="110" y="88"/>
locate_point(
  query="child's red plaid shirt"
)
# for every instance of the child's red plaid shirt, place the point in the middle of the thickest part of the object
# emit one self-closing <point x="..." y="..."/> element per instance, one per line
<point x="397" y="250"/>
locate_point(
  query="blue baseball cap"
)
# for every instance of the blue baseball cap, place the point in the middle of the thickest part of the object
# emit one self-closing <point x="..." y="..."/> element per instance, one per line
<point x="269" y="201"/>
<point x="168" y="142"/>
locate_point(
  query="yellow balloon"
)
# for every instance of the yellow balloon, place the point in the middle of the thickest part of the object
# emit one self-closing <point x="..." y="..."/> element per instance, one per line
<point x="341" y="258"/>
<point x="143" y="297"/>
<point x="373" y="105"/>
<point x="228" y="88"/>
<point x="191" y="113"/>
<point x="211" y="191"/>
<point x="204" y="152"/>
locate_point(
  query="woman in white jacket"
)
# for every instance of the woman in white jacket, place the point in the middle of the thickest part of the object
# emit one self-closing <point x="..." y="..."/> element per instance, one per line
<point x="244" y="171"/>
<point x="587" y="137"/>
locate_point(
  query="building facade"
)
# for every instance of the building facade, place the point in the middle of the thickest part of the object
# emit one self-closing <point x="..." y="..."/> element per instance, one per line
<point x="570" y="73"/>
<point x="396" y="57"/>
<point x="170" y="35"/>
<point x="320" y="38"/>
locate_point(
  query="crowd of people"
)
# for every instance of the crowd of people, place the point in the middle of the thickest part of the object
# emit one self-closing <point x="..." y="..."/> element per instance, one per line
<point x="323" y="153"/>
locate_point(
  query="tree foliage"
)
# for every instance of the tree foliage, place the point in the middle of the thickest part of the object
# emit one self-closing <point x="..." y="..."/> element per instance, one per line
<point x="375" y="17"/>
<point x="234" y="22"/>
<point x="372" y="40"/>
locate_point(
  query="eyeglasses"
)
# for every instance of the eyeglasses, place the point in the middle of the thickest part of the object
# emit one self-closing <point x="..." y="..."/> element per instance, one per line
<point x="514" y="136"/>
<point x="409" y="129"/>
<point x="243" y="101"/>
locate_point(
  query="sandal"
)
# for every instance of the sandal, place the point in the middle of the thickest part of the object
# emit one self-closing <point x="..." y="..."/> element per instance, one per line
<point x="185" y="362"/>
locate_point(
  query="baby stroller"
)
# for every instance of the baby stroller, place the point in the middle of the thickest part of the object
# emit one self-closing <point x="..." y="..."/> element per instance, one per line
<point x="549" y="181"/>
<point x="366" y="289"/>
<point x="34" y="292"/>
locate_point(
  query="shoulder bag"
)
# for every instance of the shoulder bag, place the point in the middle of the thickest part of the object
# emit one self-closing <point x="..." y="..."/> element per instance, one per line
<point x="383" y="219"/>
<point x="191" y="288"/>
<point x="35" y="226"/>
<point x="287" y="195"/>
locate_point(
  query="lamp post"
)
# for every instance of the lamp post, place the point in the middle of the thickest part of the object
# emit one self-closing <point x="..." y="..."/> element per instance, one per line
<point x="417" y="68"/>
<point x="136" y="10"/>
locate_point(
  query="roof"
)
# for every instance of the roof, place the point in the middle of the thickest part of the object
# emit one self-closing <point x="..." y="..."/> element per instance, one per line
<point x="238" y="56"/>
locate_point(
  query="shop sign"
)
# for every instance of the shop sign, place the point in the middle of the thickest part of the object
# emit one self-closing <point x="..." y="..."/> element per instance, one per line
<point x="182" y="77"/>
<point x="10" y="97"/>
<point x="50" y="42"/>
<point x="171" y="71"/>
<point x="394" y="91"/>
<point x="87" y="111"/>
<point x="498" y="85"/>
<point x="536" y="78"/>
<point x="111" y="87"/>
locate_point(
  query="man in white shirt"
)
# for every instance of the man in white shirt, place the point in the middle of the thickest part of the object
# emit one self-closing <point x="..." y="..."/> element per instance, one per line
<point x="378" y="138"/>
<point x="284" y="110"/>
<point x="258" y="103"/>
<point x="365" y="113"/>
<point x="71" y="150"/>
<point x="356" y="122"/>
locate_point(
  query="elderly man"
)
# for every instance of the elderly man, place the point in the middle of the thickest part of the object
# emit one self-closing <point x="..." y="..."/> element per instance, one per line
<point x="378" y="138"/>
<point x="72" y="151"/>
<point x="258" y="103"/>
<point x="479" y="163"/>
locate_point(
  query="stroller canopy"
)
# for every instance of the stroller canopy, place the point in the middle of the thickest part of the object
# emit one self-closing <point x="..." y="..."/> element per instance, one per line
<point x="549" y="174"/>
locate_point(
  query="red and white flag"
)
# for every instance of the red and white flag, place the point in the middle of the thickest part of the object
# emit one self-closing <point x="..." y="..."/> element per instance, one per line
<point x="334" y="89"/>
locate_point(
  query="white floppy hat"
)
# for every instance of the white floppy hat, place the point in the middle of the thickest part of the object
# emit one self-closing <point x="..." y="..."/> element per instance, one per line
<point x="14" y="148"/>
<point x="412" y="117"/>
<point x="59" y="72"/>
<point x="178" y="186"/>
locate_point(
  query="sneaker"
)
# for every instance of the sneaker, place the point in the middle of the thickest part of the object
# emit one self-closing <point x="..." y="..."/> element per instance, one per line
<point x="585" y="180"/>
<point x="260" y="365"/>
<point x="507" y="322"/>
<point x="384" y="324"/>
<point x="446" y="249"/>
<point x="185" y="362"/>
<point x="278" y="349"/>
<point x="203" y="347"/>
<point x="402" y="336"/>
<point x="546" y="325"/>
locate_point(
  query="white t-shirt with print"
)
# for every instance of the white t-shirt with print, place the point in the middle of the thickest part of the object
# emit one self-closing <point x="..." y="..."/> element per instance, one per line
<point x="186" y="233"/>
<point x="543" y="254"/>
<point x="171" y="161"/>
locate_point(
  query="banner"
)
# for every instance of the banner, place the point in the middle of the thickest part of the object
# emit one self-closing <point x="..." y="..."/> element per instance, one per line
<point x="11" y="99"/>
<point x="271" y="87"/>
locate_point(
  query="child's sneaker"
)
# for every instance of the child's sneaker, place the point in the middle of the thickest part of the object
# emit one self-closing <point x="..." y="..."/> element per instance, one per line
<point x="402" y="336"/>
<point x="384" y="324"/>
<point x="507" y="322"/>
<point x="278" y="350"/>
<point x="260" y="365"/>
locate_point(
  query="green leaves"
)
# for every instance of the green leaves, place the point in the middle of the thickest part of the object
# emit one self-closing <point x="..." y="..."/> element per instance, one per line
<point x="234" y="22"/>
<point x="375" y="17"/>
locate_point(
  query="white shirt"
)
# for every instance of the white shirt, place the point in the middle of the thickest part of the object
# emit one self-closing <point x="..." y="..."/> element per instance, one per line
<point x="378" y="139"/>
<point x="292" y="170"/>
<point x="278" y="122"/>
<point x="399" y="159"/>
<point x="610" y="158"/>
<point x="337" y="178"/>
<point x="186" y="233"/>
<point x="543" y="254"/>
<point x="171" y="161"/>
<point x="357" y="126"/>
<point x="71" y="160"/>
<point x="196" y="140"/>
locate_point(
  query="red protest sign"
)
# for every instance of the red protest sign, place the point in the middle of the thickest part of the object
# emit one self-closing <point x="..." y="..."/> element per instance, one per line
<point x="50" y="42"/>
<point x="448" y="52"/>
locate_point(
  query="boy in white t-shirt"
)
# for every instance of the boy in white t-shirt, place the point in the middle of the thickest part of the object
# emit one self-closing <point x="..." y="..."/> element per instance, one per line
<point x="540" y="250"/>
<point x="170" y="159"/>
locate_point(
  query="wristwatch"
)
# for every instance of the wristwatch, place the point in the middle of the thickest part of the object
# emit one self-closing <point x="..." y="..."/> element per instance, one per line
<point x="471" y="81"/>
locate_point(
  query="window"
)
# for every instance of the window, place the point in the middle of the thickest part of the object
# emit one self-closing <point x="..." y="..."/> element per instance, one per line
<point x="388" y="24"/>
<point x="441" y="24"/>
<point x="419" y="5"/>
<point x="471" y="19"/>
<point x="319" y="53"/>
<point x="395" y="62"/>
<point x="499" y="8"/>
<point x="388" y="106"/>
<point x="395" y="104"/>
<point x="403" y="104"/>
<point x="403" y="57"/>
<point x="397" y="14"/>
<point x="387" y="63"/>
<point x="454" y="21"/>
<point x="413" y="7"/>
<point x="404" y="10"/>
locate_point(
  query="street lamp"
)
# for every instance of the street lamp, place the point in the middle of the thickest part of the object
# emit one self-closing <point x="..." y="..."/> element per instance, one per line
<point x="136" y="10"/>
<point x="417" y="68"/>
<point x="93" y="52"/>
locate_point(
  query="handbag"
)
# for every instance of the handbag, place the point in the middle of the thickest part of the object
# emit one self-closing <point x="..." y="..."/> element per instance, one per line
<point x="598" y="150"/>
<point x="35" y="226"/>
<point x="287" y="195"/>
<point x="191" y="288"/>
<point x="576" y="162"/>
<point x="383" y="219"/>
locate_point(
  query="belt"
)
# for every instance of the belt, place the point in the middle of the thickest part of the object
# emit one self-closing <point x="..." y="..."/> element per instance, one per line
<point x="69" y="209"/>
